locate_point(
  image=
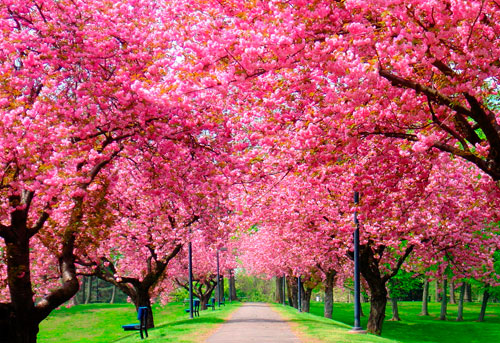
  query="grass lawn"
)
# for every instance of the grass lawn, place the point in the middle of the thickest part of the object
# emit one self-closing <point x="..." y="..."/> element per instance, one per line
<point x="101" y="323"/>
<point x="416" y="329"/>
<point x="315" y="329"/>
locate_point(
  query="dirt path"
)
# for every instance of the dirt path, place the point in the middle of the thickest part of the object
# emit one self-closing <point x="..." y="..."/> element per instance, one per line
<point x="254" y="322"/>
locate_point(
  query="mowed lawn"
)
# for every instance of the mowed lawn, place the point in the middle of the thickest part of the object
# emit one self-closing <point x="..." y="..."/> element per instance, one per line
<point x="417" y="329"/>
<point x="101" y="323"/>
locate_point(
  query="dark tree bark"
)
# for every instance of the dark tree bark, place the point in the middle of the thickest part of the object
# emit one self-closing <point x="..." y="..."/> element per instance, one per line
<point x="425" y="299"/>
<point x="279" y="289"/>
<point x="369" y="267"/>
<point x="444" y="300"/>
<point x="306" y="292"/>
<point x="329" y="283"/>
<point x="460" y="316"/>
<point x="292" y="291"/>
<point x="221" y="287"/>
<point x="232" y="286"/>
<point x="395" y="310"/>
<point x="484" y="303"/>
<point x="468" y="292"/>
<point x="83" y="290"/>
<point x="452" y="293"/>
<point x="438" y="291"/>
<point x="88" y="296"/>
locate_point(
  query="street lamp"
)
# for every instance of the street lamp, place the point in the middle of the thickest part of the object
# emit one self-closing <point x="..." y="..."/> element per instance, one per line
<point x="218" y="276"/>
<point x="284" y="290"/>
<point x="357" y="303"/>
<point x="299" y="294"/>
<point x="190" y="253"/>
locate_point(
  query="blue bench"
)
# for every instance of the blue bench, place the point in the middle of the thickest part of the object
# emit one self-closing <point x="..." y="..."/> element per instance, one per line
<point x="211" y="303"/>
<point x="223" y="301"/>
<point x="142" y="315"/>
<point x="196" y="308"/>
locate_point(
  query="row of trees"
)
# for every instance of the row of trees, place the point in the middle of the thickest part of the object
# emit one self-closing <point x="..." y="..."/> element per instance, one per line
<point x="130" y="128"/>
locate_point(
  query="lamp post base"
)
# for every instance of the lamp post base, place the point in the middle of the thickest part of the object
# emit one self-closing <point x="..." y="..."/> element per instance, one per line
<point x="357" y="329"/>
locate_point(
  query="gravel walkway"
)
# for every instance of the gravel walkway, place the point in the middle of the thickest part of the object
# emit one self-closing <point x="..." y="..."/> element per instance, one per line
<point x="254" y="322"/>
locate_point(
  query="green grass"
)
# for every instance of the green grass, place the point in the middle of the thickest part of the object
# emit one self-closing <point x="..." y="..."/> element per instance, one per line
<point x="417" y="329"/>
<point x="313" y="328"/>
<point x="101" y="323"/>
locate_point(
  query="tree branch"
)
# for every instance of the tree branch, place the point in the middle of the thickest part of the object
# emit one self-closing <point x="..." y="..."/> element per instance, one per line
<point x="38" y="225"/>
<point x="396" y="268"/>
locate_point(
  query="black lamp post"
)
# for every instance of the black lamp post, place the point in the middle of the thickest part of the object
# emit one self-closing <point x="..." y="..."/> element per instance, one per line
<point x="190" y="253"/>
<point x="284" y="289"/>
<point x="357" y="303"/>
<point x="299" y="294"/>
<point x="218" y="276"/>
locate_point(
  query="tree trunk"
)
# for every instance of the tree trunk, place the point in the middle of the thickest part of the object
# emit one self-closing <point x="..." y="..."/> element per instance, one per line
<point x="484" y="303"/>
<point x="83" y="289"/>
<point x="204" y="299"/>
<point x="22" y="321"/>
<point x="452" y="293"/>
<point x="222" y="288"/>
<point x="113" y="295"/>
<point x="305" y="293"/>
<point x="369" y="268"/>
<point x="88" y="296"/>
<point x="292" y="291"/>
<point x="395" y="311"/>
<point x="232" y="286"/>
<point x="444" y="301"/>
<point x="378" y="304"/>
<point x="142" y="299"/>
<point x="460" y="316"/>
<point x="329" y="282"/>
<point x="279" y="289"/>
<point x="425" y="299"/>
<point x="468" y="292"/>
<point x="438" y="292"/>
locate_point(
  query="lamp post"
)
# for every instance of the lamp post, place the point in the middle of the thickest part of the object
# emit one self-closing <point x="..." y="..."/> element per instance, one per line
<point x="299" y="294"/>
<point x="284" y="289"/>
<point x="357" y="304"/>
<point x="190" y="253"/>
<point x="218" y="276"/>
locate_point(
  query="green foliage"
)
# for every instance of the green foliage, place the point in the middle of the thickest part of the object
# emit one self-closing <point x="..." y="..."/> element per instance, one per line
<point x="179" y="294"/>
<point x="252" y="288"/>
<point x="404" y="286"/>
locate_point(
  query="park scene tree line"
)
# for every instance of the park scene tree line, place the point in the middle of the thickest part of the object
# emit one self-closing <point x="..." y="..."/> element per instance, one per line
<point x="133" y="128"/>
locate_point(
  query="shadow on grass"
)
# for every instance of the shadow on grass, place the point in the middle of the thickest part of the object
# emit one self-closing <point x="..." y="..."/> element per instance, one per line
<point x="194" y="321"/>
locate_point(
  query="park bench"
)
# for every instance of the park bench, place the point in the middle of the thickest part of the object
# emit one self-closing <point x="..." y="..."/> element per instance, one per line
<point x="223" y="301"/>
<point x="196" y="308"/>
<point x="211" y="304"/>
<point x="142" y="315"/>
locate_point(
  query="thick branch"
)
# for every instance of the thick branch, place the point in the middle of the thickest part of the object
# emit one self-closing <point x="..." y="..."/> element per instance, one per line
<point x="6" y="232"/>
<point x="429" y="92"/>
<point x="398" y="265"/>
<point x="38" y="225"/>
